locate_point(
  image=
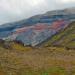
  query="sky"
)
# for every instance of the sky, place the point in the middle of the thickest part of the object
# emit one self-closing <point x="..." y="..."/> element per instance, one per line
<point x="15" y="10"/>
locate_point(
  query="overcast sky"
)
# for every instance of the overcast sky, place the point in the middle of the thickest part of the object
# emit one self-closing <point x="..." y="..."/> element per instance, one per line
<point x="13" y="10"/>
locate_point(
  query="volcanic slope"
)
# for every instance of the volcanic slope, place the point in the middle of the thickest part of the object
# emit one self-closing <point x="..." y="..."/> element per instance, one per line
<point x="65" y="38"/>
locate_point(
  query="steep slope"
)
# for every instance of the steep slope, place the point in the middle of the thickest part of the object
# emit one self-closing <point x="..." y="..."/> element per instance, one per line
<point x="65" y="38"/>
<point x="38" y="28"/>
<point x="34" y="35"/>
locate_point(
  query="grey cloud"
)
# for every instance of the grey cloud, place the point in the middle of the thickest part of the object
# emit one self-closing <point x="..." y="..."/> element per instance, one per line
<point x="12" y="10"/>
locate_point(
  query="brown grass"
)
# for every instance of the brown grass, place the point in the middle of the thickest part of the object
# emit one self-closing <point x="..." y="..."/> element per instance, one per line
<point x="36" y="60"/>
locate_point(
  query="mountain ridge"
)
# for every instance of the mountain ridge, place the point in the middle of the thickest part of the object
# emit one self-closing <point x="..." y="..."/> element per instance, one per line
<point x="38" y="28"/>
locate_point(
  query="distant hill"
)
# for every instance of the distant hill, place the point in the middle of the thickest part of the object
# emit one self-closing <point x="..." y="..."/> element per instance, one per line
<point x="38" y="28"/>
<point x="65" y="38"/>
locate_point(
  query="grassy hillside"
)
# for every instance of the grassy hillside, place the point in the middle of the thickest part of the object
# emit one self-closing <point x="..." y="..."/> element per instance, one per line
<point x="36" y="61"/>
<point x="65" y="38"/>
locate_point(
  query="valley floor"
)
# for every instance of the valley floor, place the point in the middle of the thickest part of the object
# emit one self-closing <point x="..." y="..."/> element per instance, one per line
<point x="37" y="61"/>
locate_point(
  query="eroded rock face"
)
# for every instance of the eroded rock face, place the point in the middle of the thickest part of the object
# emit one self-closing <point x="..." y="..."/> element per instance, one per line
<point x="39" y="28"/>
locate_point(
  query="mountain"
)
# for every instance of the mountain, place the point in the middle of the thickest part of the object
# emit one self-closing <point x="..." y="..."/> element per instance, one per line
<point x="67" y="11"/>
<point x="64" y="38"/>
<point x="38" y="28"/>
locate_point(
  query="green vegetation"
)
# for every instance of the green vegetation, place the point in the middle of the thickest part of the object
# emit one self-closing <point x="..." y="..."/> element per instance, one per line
<point x="50" y="71"/>
<point x="65" y="38"/>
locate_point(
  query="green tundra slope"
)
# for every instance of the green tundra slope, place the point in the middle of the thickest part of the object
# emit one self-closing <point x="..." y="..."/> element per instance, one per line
<point x="65" y="38"/>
